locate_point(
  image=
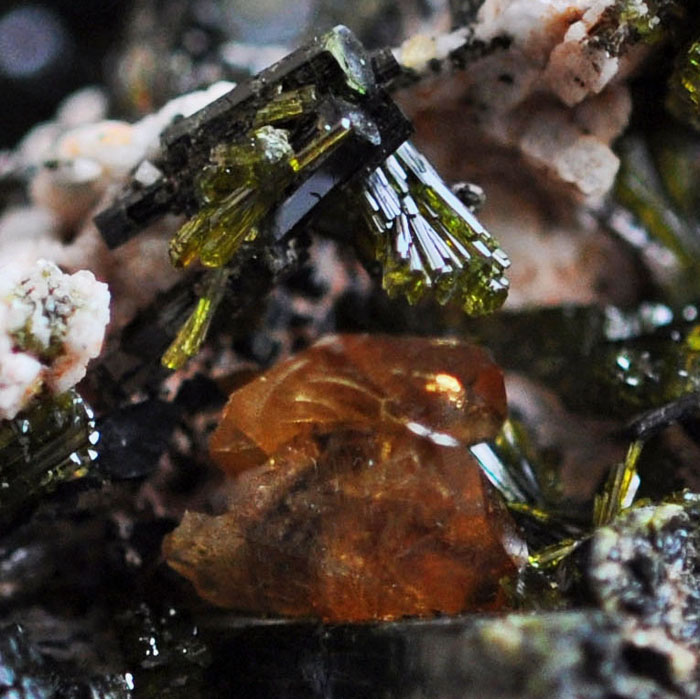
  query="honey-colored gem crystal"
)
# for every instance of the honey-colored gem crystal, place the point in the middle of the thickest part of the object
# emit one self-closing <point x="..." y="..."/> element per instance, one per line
<point x="355" y="496"/>
<point x="407" y="386"/>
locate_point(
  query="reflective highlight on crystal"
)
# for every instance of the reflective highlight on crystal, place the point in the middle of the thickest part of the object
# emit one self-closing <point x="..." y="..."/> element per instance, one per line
<point x="356" y="496"/>
<point x="427" y="240"/>
<point x="53" y="441"/>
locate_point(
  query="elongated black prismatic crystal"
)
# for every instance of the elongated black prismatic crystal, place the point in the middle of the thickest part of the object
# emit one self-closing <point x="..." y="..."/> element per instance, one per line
<point x="254" y="164"/>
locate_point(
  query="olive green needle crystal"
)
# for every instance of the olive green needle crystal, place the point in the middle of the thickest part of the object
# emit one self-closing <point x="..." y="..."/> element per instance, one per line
<point x="287" y="105"/>
<point x="620" y="488"/>
<point x="192" y="334"/>
<point x="552" y="556"/>
<point x="329" y="137"/>
<point x="427" y="240"/>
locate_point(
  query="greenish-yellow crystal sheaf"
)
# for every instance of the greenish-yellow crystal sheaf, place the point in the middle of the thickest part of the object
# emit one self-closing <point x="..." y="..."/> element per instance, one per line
<point x="620" y="488"/>
<point x="192" y="334"/>
<point x="241" y="184"/>
<point x="237" y="189"/>
<point x="427" y="241"/>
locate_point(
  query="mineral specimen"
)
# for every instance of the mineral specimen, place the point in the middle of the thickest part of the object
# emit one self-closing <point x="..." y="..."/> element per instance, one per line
<point x="443" y="390"/>
<point x="324" y="94"/>
<point x="77" y="163"/>
<point x="544" y="78"/>
<point x="351" y="492"/>
<point x="427" y="239"/>
<point x="356" y="497"/>
<point x="644" y="566"/>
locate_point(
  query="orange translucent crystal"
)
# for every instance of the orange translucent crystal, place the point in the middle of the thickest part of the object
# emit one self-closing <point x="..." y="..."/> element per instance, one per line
<point x="355" y="496"/>
<point x="389" y="385"/>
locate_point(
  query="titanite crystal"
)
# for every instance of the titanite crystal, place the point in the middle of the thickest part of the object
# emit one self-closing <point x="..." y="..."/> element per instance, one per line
<point x="356" y="497"/>
<point x="441" y="389"/>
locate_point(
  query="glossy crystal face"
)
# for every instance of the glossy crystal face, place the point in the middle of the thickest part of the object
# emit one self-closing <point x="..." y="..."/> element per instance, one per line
<point x="442" y="390"/>
<point x="356" y="496"/>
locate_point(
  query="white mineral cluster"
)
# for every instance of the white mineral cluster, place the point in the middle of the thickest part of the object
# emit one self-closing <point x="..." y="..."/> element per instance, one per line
<point x="51" y="325"/>
<point x="551" y="90"/>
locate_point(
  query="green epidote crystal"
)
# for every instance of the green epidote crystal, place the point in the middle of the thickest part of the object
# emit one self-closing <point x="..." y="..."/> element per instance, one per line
<point x="239" y="187"/>
<point x="328" y="137"/>
<point x="425" y="237"/>
<point x="287" y="105"/>
<point x="551" y="556"/>
<point x="232" y="222"/>
<point x="242" y="184"/>
<point x="620" y="488"/>
<point x="530" y="485"/>
<point x="427" y="240"/>
<point x="192" y="334"/>
<point x="49" y="443"/>
<point x="236" y="190"/>
<point x="511" y="464"/>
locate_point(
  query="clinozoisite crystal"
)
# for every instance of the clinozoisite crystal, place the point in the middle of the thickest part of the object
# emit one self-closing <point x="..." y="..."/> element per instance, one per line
<point x="356" y="496"/>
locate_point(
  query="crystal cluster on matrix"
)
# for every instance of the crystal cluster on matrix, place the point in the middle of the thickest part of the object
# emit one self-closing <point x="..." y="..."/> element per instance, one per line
<point x="354" y="495"/>
<point x="51" y="325"/>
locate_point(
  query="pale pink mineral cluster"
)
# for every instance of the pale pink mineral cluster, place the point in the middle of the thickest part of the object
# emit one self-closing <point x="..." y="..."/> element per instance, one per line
<point x="75" y="163"/>
<point x="532" y="117"/>
<point x="550" y="90"/>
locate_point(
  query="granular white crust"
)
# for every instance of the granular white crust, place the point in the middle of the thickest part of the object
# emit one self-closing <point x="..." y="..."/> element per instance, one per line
<point x="51" y="325"/>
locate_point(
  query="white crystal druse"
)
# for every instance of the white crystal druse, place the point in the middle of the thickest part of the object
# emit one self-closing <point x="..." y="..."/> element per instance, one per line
<point x="51" y="325"/>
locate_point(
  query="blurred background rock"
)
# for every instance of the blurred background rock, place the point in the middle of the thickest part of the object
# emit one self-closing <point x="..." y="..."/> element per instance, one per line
<point x="147" y="51"/>
<point x="49" y="49"/>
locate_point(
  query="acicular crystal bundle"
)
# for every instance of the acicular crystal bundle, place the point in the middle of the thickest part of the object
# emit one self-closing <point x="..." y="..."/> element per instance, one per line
<point x="426" y="238"/>
<point x="270" y="153"/>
